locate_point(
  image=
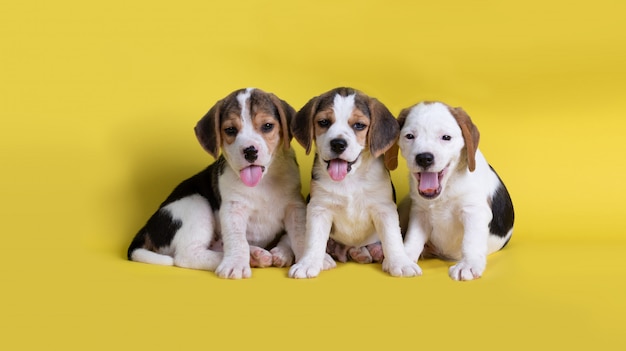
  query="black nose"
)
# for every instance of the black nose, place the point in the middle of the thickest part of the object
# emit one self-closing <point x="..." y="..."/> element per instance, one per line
<point x="250" y="153"/>
<point x="338" y="145"/>
<point x="425" y="159"/>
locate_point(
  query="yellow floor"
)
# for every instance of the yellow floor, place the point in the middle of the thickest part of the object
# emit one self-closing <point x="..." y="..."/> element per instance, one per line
<point x="98" y="102"/>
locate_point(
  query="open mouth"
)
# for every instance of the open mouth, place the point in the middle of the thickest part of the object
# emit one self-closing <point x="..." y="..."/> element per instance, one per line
<point x="338" y="168"/>
<point x="429" y="183"/>
<point x="251" y="175"/>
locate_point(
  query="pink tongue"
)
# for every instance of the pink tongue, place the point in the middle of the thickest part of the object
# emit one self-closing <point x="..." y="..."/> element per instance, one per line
<point x="429" y="182"/>
<point x="337" y="169"/>
<point x="251" y="176"/>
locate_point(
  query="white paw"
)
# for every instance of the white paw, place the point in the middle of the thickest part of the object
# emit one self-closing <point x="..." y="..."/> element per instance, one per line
<point x="305" y="269"/>
<point x="234" y="268"/>
<point x="467" y="270"/>
<point x="401" y="267"/>
<point x="413" y="255"/>
<point x="329" y="263"/>
<point x="281" y="257"/>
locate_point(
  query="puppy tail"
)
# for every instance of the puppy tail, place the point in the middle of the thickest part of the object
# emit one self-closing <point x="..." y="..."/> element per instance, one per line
<point x="147" y="256"/>
<point x="138" y="253"/>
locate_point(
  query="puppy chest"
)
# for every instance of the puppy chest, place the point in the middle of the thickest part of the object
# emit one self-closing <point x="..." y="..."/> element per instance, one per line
<point x="265" y="223"/>
<point x="447" y="231"/>
<point x="351" y="225"/>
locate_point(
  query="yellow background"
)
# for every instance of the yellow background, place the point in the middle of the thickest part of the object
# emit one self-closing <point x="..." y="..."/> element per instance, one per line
<point x="98" y="101"/>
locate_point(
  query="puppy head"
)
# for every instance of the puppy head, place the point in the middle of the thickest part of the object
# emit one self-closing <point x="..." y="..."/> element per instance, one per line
<point x="344" y="123"/>
<point x="437" y="140"/>
<point x="248" y="125"/>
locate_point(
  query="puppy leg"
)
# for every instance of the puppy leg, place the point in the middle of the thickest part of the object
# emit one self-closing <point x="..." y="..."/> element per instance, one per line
<point x="198" y="257"/>
<point x="474" y="245"/>
<point x="396" y="261"/>
<point x="413" y="226"/>
<point x="318" y="224"/>
<point x="295" y="226"/>
<point x="193" y="239"/>
<point x="236" y="262"/>
<point x="416" y="236"/>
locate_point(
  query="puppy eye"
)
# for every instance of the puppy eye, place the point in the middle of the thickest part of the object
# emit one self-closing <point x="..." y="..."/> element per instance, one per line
<point x="446" y="137"/>
<point x="230" y="131"/>
<point x="359" y="126"/>
<point x="267" y="127"/>
<point x="323" y="123"/>
<point x="410" y="136"/>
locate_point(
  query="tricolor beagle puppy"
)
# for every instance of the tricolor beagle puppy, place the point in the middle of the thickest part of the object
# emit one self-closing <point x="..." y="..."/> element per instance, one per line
<point x="351" y="198"/>
<point x="245" y="201"/>
<point x="458" y="208"/>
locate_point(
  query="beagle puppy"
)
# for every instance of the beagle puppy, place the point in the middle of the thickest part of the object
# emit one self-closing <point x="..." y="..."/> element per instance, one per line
<point x="227" y="217"/>
<point x="458" y="208"/>
<point x="351" y="198"/>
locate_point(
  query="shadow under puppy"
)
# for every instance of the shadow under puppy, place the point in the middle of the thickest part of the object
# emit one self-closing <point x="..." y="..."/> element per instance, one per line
<point x="458" y="208"/>
<point x="351" y="198"/>
<point x="225" y="217"/>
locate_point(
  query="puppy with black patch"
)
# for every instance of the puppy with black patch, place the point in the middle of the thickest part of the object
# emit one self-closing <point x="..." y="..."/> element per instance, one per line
<point x="351" y="199"/>
<point x="227" y="217"/>
<point x="458" y="208"/>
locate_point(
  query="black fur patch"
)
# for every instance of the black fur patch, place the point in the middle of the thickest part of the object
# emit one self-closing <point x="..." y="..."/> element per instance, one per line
<point x="161" y="227"/>
<point x="204" y="183"/>
<point x="502" y="210"/>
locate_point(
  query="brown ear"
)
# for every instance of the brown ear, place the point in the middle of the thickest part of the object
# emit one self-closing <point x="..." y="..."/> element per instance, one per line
<point x="302" y="124"/>
<point x="470" y="135"/>
<point x="384" y="129"/>
<point x="391" y="157"/>
<point x="208" y="130"/>
<point x="403" y="115"/>
<point x="285" y="114"/>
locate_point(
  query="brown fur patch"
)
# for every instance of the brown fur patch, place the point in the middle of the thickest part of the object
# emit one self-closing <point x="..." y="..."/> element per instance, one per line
<point x="471" y="136"/>
<point x="272" y="136"/>
<point x="326" y="117"/>
<point x="358" y="116"/>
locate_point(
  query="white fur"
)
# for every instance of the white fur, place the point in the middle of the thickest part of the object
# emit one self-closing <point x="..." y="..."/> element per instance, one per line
<point x="456" y="222"/>
<point x="359" y="209"/>
<point x="252" y="216"/>
<point x="249" y="217"/>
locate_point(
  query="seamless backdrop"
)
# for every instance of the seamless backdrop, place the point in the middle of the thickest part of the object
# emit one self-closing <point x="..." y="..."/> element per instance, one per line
<point x="98" y="101"/>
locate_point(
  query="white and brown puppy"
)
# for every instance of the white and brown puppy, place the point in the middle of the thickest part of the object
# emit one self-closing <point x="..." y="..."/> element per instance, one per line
<point x="246" y="200"/>
<point x="351" y="198"/>
<point x="459" y="208"/>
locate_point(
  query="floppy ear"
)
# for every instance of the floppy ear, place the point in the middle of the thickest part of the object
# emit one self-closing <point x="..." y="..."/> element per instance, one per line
<point x="285" y="114"/>
<point x="391" y="155"/>
<point x="403" y="115"/>
<point x="302" y="124"/>
<point x="470" y="135"/>
<point x="208" y="130"/>
<point x="384" y="129"/>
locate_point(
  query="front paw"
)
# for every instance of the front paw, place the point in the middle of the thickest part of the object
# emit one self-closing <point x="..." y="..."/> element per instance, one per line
<point x="467" y="270"/>
<point x="306" y="269"/>
<point x="234" y="268"/>
<point x="329" y="263"/>
<point x="401" y="267"/>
